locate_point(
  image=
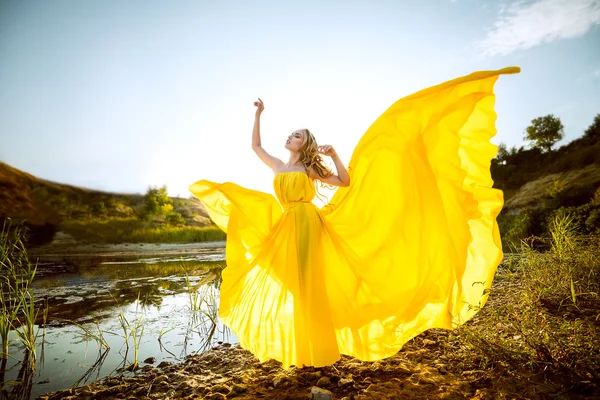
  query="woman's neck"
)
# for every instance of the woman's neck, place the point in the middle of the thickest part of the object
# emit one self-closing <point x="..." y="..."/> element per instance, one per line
<point x="295" y="159"/>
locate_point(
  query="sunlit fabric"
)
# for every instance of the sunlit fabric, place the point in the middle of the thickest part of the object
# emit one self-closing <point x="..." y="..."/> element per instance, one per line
<point x="411" y="244"/>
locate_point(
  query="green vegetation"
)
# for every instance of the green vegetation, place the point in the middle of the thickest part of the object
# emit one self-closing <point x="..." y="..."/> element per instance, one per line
<point x="96" y="216"/>
<point x="157" y="218"/>
<point x="542" y="317"/>
<point x="544" y="132"/>
<point x="512" y="168"/>
<point x="542" y="185"/>
<point x="133" y="230"/>
<point x="18" y="312"/>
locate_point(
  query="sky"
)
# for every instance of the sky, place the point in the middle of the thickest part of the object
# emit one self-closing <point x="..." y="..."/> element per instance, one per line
<point x="123" y="95"/>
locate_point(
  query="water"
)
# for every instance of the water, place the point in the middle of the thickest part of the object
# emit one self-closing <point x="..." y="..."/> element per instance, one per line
<point x="144" y="291"/>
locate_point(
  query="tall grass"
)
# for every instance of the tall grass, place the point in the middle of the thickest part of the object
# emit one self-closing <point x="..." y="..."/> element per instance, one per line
<point x="542" y="314"/>
<point x="17" y="304"/>
<point x="133" y="330"/>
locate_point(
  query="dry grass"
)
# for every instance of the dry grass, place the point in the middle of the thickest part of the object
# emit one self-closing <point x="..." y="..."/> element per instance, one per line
<point x="543" y="317"/>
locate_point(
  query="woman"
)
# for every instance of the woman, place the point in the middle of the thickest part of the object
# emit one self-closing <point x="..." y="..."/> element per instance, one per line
<point x="408" y="242"/>
<point x="304" y="154"/>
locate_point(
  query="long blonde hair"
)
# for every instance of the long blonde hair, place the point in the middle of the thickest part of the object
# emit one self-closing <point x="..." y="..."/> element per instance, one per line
<point x="311" y="158"/>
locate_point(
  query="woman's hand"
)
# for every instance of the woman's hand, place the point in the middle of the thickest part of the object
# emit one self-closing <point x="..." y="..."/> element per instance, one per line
<point x="327" y="150"/>
<point x="259" y="107"/>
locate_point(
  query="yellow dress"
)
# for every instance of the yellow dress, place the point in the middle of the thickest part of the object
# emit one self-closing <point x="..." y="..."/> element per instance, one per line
<point x="411" y="244"/>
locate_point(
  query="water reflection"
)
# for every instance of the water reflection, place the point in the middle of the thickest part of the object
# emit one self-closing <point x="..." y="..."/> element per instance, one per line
<point x="85" y="295"/>
<point x="99" y="298"/>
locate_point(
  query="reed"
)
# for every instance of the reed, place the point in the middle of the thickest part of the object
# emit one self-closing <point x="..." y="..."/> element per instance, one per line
<point x="17" y="304"/>
<point x="90" y="334"/>
<point x="133" y="330"/>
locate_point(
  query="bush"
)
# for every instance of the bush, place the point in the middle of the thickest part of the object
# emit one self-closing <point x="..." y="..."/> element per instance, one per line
<point x="513" y="228"/>
<point x="586" y="218"/>
<point x="175" y="219"/>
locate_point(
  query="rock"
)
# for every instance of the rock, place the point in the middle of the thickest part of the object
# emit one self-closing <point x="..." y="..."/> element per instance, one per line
<point x="150" y="360"/>
<point x="323" y="381"/>
<point x="147" y="368"/>
<point x="237" y="389"/>
<point x="471" y="373"/>
<point x="160" y="379"/>
<point x="164" y="364"/>
<point x="216" y="396"/>
<point x="224" y="389"/>
<point x="320" y="394"/>
<point x="279" y="381"/>
<point x="345" y="382"/>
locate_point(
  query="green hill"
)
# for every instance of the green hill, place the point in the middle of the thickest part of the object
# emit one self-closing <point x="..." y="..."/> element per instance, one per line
<point x="540" y="186"/>
<point x="96" y="216"/>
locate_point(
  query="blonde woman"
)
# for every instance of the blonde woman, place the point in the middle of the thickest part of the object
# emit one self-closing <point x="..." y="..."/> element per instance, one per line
<point x="304" y="154"/>
<point x="408" y="242"/>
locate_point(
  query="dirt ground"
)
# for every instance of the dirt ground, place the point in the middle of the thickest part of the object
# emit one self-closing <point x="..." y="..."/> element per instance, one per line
<point x="420" y="370"/>
<point x="430" y="366"/>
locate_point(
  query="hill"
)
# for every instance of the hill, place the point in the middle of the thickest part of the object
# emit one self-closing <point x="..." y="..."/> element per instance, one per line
<point x="545" y="186"/>
<point x="46" y="207"/>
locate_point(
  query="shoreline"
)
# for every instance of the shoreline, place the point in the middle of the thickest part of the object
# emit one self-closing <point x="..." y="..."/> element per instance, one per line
<point x="432" y="365"/>
<point x="420" y="370"/>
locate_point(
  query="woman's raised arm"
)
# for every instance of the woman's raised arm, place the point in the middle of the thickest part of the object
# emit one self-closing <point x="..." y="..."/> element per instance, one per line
<point x="272" y="162"/>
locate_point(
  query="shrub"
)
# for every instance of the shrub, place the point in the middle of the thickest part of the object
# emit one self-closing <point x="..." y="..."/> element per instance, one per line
<point x="175" y="219"/>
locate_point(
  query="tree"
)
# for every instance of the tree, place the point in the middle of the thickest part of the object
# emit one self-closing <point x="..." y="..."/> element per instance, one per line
<point x="544" y="132"/>
<point x="593" y="131"/>
<point x="502" y="154"/>
<point x="157" y="201"/>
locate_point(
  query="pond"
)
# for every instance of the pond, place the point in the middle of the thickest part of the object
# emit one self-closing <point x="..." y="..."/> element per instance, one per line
<point x="105" y="312"/>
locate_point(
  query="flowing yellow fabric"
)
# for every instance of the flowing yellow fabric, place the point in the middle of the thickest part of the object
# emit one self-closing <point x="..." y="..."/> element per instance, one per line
<point x="411" y="244"/>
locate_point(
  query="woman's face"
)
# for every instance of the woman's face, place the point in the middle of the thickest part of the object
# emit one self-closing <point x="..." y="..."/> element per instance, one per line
<point x="295" y="140"/>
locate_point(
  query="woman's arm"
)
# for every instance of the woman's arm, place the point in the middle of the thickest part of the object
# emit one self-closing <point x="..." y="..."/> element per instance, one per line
<point x="342" y="178"/>
<point x="272" y="162"/>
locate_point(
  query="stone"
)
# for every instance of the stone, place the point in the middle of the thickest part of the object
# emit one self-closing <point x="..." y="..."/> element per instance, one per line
<point x="323" y="381"/>
<point x="164" y="364"/>
<point x="237" y="389"/>
<point x="160" y="379"/>
<point x="224" y="389"/>
<point x="320" y="394"/>
<point x="150" y="360"/>
<point x="345" y="382"/>
<point x="280" y="381"/>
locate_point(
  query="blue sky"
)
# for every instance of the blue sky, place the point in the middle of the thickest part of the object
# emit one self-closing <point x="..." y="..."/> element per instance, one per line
<point x="122" y="95"/>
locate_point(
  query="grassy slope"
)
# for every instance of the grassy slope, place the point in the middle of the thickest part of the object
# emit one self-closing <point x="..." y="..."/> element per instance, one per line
<point x="530" y="177"/>
<point x="534" y="192"/>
